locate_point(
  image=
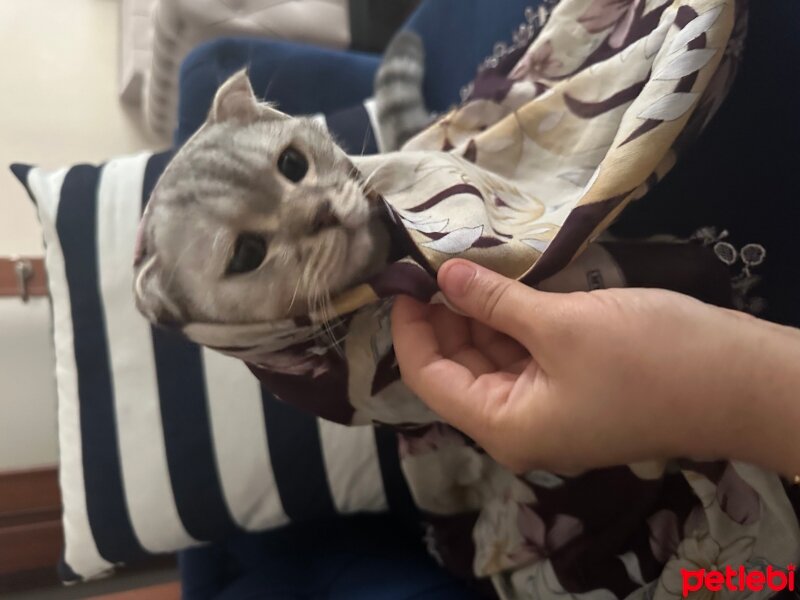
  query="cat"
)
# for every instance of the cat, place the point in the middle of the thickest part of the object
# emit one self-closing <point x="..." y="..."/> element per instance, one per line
<point x="258" y="217"/>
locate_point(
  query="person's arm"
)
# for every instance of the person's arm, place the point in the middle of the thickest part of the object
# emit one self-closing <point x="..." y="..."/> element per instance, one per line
<point x="575" y="381"/>
<point x="771" y="402"/>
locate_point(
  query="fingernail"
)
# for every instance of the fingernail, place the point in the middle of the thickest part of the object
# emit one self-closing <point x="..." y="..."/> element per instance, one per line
<point x="456" y="278"/>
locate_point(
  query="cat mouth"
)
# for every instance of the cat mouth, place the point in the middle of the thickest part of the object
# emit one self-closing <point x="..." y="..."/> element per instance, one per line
<point x="355" y="220"/>
<point x="351" y="268"/>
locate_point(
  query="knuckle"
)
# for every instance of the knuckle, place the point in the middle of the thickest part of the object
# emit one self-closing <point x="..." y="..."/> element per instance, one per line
<point x="558" y="320"/>
<point x="492" y="299"/>
<point x="568" y="319"/>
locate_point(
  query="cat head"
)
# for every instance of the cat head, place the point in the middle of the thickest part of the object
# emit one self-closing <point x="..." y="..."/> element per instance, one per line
<point x="258" y="217"/>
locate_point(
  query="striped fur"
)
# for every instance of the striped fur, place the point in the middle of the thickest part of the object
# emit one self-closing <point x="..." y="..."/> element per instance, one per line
<point x="225" y="182"/>
<point x="398" y="91"/>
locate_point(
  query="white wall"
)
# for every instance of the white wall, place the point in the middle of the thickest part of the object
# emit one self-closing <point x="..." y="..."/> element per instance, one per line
<point x="27" y="388"/>
<point x="58" y="106"/>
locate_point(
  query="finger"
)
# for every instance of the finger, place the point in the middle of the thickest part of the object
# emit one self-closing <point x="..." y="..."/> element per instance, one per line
<point x="464" y="401"/>
<point x="412" y="331"/>
<point x="420" y="334"/>
<point x="490" y="352"/>
<point x="445" y="385"/>
<point x="451" y="329"/>
<point x="454" y="336"/>
<point x="473" y="359"/>
<point x="501" y="303"/>
<point x="499" y="348"/>
<point x="519" y="366"/>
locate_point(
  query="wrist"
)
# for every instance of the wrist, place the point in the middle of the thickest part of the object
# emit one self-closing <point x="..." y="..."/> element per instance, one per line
<point x="764" y="419"/>
<point x="723" y="365"/>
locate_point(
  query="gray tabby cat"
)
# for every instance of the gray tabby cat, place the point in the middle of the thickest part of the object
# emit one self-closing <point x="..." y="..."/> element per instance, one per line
<point x="261" y="216"/>
<point x="258" y="217"/>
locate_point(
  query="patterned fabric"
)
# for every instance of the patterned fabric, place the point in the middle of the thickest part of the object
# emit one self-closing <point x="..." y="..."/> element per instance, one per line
<point x="585" y="112"/>
<point x="163" y="444"/>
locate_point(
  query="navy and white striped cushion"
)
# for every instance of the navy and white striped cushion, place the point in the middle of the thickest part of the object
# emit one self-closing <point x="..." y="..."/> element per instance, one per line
<point x="164" y="444"/>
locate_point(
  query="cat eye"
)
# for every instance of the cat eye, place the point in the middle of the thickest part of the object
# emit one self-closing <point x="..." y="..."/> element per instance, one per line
<point x="248" y="254"/>
<point x="292" y="164"/>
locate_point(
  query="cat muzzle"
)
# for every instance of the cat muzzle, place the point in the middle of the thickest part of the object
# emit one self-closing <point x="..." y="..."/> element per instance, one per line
<point x="325" y="217"/>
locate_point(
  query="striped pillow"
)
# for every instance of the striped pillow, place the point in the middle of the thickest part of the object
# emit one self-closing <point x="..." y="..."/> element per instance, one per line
<point x="164" y="444"/>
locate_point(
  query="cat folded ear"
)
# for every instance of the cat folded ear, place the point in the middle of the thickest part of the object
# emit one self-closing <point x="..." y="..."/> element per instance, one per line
<point x="235" y="100"/>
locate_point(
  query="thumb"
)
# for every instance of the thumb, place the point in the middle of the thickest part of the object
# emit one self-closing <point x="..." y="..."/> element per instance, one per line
<point x="503" y="304"/>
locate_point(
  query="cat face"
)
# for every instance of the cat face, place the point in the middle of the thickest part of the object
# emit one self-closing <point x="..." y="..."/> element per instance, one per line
<point x="258" y="217"/>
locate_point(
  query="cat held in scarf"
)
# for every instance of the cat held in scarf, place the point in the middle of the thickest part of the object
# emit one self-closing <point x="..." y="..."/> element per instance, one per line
<point x="258" y="217"/>
<point x="261" y="216"/>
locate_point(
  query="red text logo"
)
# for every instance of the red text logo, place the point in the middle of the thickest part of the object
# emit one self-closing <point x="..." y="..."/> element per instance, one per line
<point x="737" y="580"/>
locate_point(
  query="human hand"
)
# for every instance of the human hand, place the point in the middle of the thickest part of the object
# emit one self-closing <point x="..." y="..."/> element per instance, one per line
<point x="574" y="381"/>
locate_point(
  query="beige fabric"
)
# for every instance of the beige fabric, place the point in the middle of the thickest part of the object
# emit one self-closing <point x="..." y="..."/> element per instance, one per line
<point x="560" y="138"/>
<point x="180" y="25"/>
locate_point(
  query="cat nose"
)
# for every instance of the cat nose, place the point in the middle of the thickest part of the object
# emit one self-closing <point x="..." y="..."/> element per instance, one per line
<point x="324" y="217"/>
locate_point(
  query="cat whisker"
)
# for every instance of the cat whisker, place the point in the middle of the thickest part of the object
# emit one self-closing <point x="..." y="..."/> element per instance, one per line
<point x="335" y="344"/>
<point x="220" y="245"/>
<point x="326" y="310"/>
<point x="284" y="256"/>
<point x="175" y="265"/>
<point x="365" y="185"/>
<point x="322" y="306"/>
<point x="294" y="297"/>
